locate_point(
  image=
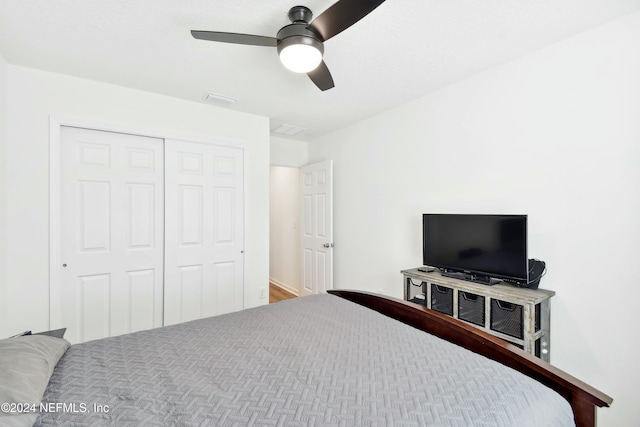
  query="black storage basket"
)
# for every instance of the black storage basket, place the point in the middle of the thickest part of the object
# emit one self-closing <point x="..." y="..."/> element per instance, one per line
<point x="507" y="318"/>
<point x="416" y="292"/>
<point x="442" y="299"/>
<point x="471" y="308"/>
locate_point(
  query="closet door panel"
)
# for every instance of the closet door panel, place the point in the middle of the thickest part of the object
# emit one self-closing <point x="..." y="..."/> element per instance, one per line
<point x="111" y="233"/>
<point x="204" y="230"/>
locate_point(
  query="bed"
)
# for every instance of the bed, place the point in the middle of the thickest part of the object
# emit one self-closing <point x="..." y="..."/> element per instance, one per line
<point x="345" y="358"/>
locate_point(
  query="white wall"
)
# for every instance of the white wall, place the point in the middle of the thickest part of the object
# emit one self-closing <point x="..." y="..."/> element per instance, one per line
<point x="284" y="230"/>
<point x="3" y="191"/>
<point x="34" y="96"/>
<point x="555" y="135"/>
<point x="288" y="152"/>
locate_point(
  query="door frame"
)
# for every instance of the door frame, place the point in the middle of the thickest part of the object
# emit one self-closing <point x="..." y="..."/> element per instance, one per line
<point x="55" y="125"/>
<point x="280" y="281"/>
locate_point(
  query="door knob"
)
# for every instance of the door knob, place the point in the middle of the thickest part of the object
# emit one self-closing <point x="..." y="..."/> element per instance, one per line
<point x="328" y="245"/>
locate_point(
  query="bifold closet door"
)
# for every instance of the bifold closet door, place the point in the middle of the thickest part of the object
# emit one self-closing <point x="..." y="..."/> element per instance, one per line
<point x="111" y="233"/>
<point x="204" y="239"/>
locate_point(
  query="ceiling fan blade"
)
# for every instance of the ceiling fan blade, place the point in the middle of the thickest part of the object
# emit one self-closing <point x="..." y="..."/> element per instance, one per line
<point x="321" y="77"/>
<point x="342" y="15"/>
<point x="216" y="36"/>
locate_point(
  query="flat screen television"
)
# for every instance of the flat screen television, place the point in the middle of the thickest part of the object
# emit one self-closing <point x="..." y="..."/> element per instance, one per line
<point x="482" y="248"/>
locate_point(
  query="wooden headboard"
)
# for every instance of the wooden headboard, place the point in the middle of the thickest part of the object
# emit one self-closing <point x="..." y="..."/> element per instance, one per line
<point x="582" y="397"/>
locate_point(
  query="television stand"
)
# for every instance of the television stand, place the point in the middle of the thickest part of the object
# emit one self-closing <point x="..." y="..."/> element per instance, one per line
<point x="469" y="277"/>
<point x="520" y="316"/>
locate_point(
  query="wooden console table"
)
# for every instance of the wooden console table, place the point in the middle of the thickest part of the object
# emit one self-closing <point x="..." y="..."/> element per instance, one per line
<point x="519" y="315"/>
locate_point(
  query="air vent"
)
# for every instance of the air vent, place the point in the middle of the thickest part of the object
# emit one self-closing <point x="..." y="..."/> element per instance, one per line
<point x="219" y="99"/>
<point x="288" y="130"/>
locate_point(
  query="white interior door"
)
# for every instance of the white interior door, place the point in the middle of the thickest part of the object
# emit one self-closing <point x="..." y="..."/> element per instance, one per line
<point x="316" y="187"/>
<point x="204" y="258"/>
<point x="111" y="233"/>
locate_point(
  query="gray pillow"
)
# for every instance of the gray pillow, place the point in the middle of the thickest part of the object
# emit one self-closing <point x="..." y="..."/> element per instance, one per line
<point x="27" y="364"/>
<point x="58" y="333"/>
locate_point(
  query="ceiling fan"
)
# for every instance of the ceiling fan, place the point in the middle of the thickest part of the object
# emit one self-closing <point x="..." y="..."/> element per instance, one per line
<point x="300" y="44"/>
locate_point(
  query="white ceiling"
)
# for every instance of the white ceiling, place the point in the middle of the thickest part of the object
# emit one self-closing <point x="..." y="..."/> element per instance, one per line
<point x="402" y="50"/>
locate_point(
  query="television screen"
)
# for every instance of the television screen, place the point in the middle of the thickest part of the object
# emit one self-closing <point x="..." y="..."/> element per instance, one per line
<point x="488" y="245"/>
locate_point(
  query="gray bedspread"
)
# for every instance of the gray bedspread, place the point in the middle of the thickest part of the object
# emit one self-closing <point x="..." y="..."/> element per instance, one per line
<point x="312" y="361"/>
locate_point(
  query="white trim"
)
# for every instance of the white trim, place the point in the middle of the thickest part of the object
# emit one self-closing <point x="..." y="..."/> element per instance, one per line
<point x="283" y="286"/>
<point x="141" y="131"/>
<point x="54" y="223"/>
<point x="55" y="125"/>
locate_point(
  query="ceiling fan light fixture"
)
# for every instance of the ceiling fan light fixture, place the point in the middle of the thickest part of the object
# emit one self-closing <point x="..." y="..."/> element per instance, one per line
<point x="300" y="54"/>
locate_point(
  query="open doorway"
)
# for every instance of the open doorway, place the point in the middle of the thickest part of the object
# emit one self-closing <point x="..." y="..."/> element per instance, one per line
<point x="284" y="236"/>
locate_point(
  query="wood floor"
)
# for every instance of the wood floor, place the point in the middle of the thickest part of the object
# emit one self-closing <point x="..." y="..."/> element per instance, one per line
<point x="276" y="293"/>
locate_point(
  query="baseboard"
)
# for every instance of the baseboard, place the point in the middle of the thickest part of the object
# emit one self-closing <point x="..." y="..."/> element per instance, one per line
<point x="284" y="286"/>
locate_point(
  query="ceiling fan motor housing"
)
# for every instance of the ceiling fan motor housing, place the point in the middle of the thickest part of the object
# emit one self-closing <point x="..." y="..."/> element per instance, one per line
<point x="298" y="33"/>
